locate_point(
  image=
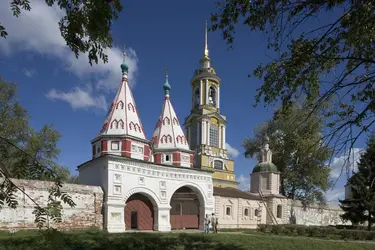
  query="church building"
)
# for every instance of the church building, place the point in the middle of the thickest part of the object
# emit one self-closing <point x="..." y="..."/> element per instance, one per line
<point x="181" y="174"/>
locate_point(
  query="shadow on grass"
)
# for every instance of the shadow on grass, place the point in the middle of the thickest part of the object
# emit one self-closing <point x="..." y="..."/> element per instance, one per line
<point x="129" y="241"/>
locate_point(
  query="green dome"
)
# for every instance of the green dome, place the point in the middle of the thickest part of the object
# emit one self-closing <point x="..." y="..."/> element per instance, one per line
<point x="166" y="87"/>
<point x="124" y="66"/>
<point x="265" y="167"/>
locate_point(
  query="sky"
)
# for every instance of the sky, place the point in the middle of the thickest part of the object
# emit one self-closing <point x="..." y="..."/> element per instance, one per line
<point x="57" y="88"/>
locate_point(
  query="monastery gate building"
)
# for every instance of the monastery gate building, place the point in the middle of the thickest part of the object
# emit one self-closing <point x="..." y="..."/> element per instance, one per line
<point x="173" y="180"/>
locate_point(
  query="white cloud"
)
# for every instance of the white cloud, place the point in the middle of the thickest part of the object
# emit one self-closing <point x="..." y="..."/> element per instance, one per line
<point x="244" y="183"/>
<point x="341" y="164"/>
<point x="232" y="151"/>
<point x="37" y="31"/>
<point x="79" y="98"/>
<point x="29" y="72"/>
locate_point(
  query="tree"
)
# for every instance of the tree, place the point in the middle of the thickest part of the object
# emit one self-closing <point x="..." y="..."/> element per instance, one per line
<point x="331" y="58"/>
<point x="85" y="27"/>
<point x="359" y="207"/>
<point x="25" y="153"/>
<point x="304" y="174"/>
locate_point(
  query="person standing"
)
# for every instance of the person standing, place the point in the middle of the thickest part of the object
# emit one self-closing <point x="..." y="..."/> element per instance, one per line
<point x="206" y="224"/>
<point x="216" y="222"/>
<point x="213" y="219"/>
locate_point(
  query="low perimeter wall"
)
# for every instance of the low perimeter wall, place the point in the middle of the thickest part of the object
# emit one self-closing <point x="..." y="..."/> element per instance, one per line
<point x="87" y="212"/>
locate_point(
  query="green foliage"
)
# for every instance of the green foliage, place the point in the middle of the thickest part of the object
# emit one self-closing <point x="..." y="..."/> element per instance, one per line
<point x="330" y="232"/>
<point x="146" y="241"/>
<point x="85" y="26"/>
<point x="297" y="151"/>
<point x="360" y="206"/>
<point x="328" y="59"/>
<point x="27" y="154"/>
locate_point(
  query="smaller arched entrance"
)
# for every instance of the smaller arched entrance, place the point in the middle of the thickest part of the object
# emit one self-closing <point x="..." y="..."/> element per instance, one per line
<point x="184" y="213"/>
<point x="139" y="213"/>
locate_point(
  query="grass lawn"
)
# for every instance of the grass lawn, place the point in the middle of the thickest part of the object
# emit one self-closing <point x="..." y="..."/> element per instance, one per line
<point x="95" y="240"/>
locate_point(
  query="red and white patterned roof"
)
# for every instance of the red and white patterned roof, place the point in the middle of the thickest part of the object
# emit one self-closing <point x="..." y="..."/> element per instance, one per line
<point x="168" y="133"/>
<point x="122" y="117"/>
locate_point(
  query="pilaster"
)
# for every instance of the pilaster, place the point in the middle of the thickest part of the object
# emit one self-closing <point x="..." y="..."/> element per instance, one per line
<point x="206" y="92"/>
<point x="162" y="220"/>
<point x="201" y="92"/>
<point x="114" y="219"/>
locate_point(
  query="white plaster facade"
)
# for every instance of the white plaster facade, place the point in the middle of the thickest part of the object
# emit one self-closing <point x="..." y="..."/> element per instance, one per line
<point x="120" y="178"/>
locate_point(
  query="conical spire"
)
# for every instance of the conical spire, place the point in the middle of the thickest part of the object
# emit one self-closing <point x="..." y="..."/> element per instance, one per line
<point x="205" y="41"/>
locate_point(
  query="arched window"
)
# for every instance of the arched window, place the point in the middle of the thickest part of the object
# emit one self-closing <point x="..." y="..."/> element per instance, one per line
<point x="120" y="105"/>
<point x="114" y="124"/>
<point x="121" y="123"/>
<point x="246" y="212"/>
<point x="279" y="211"/>
<point x="197" y="97"/>
<point x="256" y="212"/>
<point x="227" y="211"/>
<point x="166" y="121"/>
<point x="214" y="135"/>
<point x="218" y="165"/>
<point x="131" y="126"/>
<point x="212" y="96"/>
<point x="131" y="107"/>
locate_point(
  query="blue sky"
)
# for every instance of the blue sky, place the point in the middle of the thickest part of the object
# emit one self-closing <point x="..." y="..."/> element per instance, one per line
<point x="57" y="88"/>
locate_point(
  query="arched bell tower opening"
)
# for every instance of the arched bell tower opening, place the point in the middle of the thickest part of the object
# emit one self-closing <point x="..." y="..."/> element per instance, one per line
<point x="196" y="98"/>
<point x="212" y="96"/>
<point x="185" y="209"/>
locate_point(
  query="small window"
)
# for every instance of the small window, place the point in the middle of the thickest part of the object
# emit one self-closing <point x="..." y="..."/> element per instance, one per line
<point x="115" y="145"/>
<point x="279" y="211"/>
<point x="167" y="158"/>
<point x="214" y="135"/>
<point x="246" y="212"/>
<point x="256" y="212"/>
<point x="227" y="212"/>
<point x="218" y="165"/>
<point x="98" y="150"/>
<point x="140" y="150"/>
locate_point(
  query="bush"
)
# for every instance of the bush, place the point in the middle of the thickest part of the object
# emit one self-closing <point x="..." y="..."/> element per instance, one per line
<point x="318" y="231"/>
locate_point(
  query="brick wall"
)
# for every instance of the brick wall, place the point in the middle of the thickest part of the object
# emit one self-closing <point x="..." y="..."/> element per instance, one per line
<point x="87" y="212"/>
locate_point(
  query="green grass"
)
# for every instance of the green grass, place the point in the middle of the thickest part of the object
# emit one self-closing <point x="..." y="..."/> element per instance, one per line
<point x="95" y="240"/>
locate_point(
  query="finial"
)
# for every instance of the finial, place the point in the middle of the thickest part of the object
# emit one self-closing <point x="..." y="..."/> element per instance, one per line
<point x="205" y="41"/>
<point x="166" y="86"/>
<point x="124" y="50"/>
<point x="124" y="66"/>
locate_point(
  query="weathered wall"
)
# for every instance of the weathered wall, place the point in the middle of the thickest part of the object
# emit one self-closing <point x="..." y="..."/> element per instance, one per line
<point x="313" y="215"/>
<point x="87" y="212"/>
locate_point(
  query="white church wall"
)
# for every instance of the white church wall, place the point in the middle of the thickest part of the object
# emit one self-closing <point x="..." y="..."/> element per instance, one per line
<point x="87" y="212"/>
<point x="126" y="177"/>
<point x="237" y="217"/>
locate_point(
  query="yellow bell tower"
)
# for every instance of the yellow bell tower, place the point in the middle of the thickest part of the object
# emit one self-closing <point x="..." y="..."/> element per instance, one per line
<point x="205" y="126"/>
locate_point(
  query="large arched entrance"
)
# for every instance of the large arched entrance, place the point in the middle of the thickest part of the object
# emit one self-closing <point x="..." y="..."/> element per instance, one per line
<point x="139" y="213"/>
<point x="184" y="213"/>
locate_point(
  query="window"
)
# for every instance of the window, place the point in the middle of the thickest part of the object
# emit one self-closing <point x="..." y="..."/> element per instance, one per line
<point x="218" y="165"/>
<point x="193" y="136"/>
<point x="115" y="145"/>
<point x="279" y="211"/>
<point x="196" y="97"/>
<point x="214" y="136"/>
<point x="167" y="158"/>
<point x="140" y="150"/>
<point x="246" y="212"/>
<point x="256" y="213"/>
<point x="98" y="150"/>
<point x="134" y="148"/>
<point x="212" y="96"/>
<point x="227" y="211"/>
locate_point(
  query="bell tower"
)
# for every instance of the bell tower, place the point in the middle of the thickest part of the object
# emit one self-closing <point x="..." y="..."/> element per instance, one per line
<point x="205" y="126"/>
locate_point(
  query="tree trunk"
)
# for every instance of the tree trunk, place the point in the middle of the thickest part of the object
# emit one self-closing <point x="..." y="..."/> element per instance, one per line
<point x="369" y="224"/>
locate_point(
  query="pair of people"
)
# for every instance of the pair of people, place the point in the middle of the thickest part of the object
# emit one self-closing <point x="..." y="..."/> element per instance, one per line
<point x="214" y="221"/>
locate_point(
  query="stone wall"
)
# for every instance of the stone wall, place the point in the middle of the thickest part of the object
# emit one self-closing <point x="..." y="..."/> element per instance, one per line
<point x="314" y="215"/>
<point x="87" y="212"/>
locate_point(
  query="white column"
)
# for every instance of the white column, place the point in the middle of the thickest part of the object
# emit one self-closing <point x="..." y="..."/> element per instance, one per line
<point x="223" y="137"/>
<point x="162" y="220"/>
<point x="200" y="93"/>
<point x="208" y="131"/>
<point x="197" y="133"/>
<point x="218" y="97"/>
<point x="220" y="139"/>
<point x="207" y="91"/>
<point x="204" y="134"/>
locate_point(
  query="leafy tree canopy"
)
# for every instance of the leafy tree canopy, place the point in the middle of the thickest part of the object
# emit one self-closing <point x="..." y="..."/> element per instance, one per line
<point x="359" y="207"/>
<point x="297" y="153"/>
<point x="85" y="27"/>
<point x="328" y="59"/>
